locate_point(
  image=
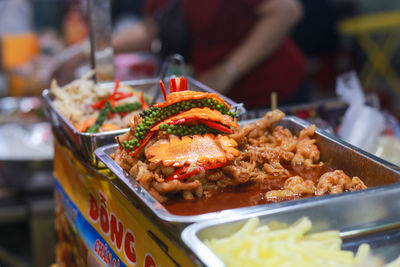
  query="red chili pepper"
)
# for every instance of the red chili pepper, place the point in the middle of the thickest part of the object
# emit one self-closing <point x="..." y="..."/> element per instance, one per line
<point x="188" y="174"/>
<point x="164" y="92"/>
<point x="181" y="84"/>
<point x="100" y="104"/>
<point x="112" y="102"/>
<point x="161" y="121"/>
<point x="143" y="101"/>
<point x="116" y="86"/>
<point x="177" y="172"/>
<point x="172" y="85"/>
<point x="216" y="126"/>
<point x="144" y="142"/>
<point x="178" y="84"/>
<point x="111" y="115"/>
<point x="212" y="124"/>
<point x="182" y="121"/>
<point x="195" y="171"/>
<point x="119" y="96"/>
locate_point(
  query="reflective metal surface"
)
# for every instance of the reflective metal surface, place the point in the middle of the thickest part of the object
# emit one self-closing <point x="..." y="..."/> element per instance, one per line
<point x="101" y="51"/>
<point x="337" y="154"/>
<point x="26" y="145"/>
<point x="86" y="143"/>
<point x="371" y="216"/>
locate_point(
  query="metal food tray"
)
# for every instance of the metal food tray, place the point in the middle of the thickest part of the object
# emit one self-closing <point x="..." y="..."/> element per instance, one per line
<point x="86" y="143"/>
<point x="376" y="172"/>
<point x="371" y="217"/>
<point x="330" y="110"/>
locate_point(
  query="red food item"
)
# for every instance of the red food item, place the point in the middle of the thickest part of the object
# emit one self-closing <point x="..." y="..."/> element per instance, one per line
<point x="100" y="104"/>
<point x="144" y="142"/>
<point x="143" y="101"/>
<point x="173" y="87"/>
<point x="115" y="96"/>
<point x="199" y="150"/>
<point x="216" y="125"/>
<point x="178" y="84"/>
<point x="176" y="97"/>
<point x="201" y="114"/>
<point x="195" y="171"/>
<point x="164" y="92"/>
<point x="118" y="96"/>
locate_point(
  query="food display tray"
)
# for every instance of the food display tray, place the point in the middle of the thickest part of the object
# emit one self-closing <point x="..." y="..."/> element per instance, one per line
<point x="86" y="143"/>
<point x="376" y="173"/>
<point x="371" y="217"/>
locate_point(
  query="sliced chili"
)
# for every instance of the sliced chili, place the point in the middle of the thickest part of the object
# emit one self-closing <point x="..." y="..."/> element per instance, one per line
<point x="100" y="119"/>
<point x="144" y="142"/>
<point x="211" y="124"/>
<point x="173" y="86"/>
<point x="182" y="121"/>
<point x="143" y="101"/>
<point x="101" y="103"/>
<point x="188" y="174"/>
<point x="120" y="96"/>
<point x="111" y="115"/>
<point x="116" y="86"/>
<point x="177" y="172"/>
<point x="164" y="92"/>
<point x="195" y="171"/>
<point x="181" y="84"/>
<point x="161" y="121"/>
<point x="112" y="102"/>
<point x="216" y="126"/>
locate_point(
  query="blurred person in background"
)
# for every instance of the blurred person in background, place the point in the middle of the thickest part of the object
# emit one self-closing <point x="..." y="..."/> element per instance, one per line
<point x="240" y="48"/>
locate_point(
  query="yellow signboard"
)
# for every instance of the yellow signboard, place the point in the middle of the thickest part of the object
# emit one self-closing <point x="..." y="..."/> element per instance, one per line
<point x="97" y="226"/>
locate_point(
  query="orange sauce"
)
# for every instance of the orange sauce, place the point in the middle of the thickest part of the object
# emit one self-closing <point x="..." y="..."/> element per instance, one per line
<point x="244" y="195"/>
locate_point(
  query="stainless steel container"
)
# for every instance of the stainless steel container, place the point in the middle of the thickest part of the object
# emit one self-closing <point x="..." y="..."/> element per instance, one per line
<point x="378" y="174"/>
<point x="86" y="143"/>
<point x="26" y="145"/>
<point x="370" y="216"/>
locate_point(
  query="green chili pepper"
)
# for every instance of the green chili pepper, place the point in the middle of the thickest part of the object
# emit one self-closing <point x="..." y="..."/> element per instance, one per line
<point x="127" y="107"/>
<point x="100" y="118"/>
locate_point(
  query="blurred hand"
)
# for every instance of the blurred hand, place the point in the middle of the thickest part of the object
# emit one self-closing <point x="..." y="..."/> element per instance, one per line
<point x="219" y="78"/>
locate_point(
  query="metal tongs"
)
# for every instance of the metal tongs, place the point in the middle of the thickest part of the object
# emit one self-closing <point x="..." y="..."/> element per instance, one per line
<point x="170" y="61"/>
<point x="179" y="61"/>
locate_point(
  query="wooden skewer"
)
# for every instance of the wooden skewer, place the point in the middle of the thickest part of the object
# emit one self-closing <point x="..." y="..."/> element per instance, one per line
<point x="274" y="101"/>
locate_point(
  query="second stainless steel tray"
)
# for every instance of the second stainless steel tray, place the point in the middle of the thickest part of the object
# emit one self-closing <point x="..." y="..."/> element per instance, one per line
<point x="86" y="143"/>
<point x="377" y="173"/>
<point x="370" y="217"/>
